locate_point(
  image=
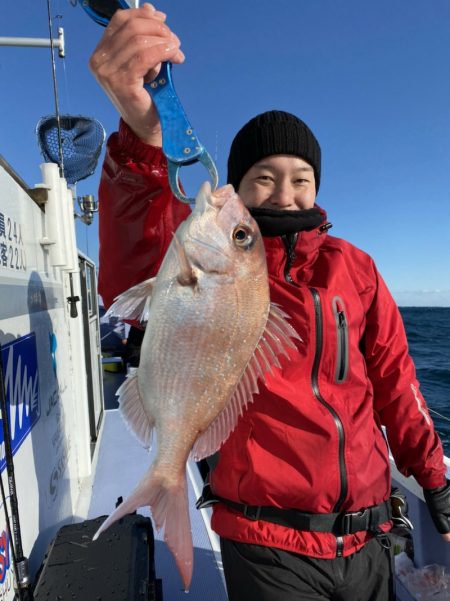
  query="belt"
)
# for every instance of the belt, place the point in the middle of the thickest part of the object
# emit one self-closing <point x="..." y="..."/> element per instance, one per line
<point x="339" y="524"/>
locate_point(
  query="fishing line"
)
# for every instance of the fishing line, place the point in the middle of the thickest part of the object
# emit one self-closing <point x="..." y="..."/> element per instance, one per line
<point x="66" y="85"/>
<point x="55" y="91"/>
<point x="444" y="417"/>
<point x="216" y="151"/>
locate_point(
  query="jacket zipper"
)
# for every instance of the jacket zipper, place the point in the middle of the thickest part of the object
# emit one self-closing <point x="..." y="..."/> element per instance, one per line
<point x="342" y="339"/>
<point x="336" y="418"/>
<point x="289" y="241"/>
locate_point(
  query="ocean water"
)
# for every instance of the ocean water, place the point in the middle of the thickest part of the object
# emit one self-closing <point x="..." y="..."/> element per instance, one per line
<point x="428" y="332"/>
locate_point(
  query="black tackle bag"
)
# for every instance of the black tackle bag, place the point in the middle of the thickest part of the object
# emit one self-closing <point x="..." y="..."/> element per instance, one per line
<point x="118" y="566"/>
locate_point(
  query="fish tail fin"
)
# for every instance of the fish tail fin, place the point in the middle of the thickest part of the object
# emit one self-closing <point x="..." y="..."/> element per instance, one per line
<point x="177" y="529"/>
<point x="169" y="506"/>
<point x="138" y="498"/>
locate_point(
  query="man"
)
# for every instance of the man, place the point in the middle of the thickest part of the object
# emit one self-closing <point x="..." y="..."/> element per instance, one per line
<point x="304" y="481"/>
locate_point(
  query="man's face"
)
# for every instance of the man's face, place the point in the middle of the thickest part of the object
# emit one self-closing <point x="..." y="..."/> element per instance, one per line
<point x="282" y="182"/>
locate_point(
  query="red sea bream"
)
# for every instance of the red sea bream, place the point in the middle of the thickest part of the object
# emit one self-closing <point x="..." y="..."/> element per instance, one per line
<point x="211" y="332"/>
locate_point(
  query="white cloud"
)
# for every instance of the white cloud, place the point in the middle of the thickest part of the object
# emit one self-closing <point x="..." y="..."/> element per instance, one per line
<point x="422" y="298"/>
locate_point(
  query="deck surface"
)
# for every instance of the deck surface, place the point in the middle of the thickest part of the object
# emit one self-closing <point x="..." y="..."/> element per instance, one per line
<point x="121" y="463"/>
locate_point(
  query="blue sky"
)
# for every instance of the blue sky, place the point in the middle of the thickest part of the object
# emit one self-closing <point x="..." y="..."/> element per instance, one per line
<point x="370" y="78"/>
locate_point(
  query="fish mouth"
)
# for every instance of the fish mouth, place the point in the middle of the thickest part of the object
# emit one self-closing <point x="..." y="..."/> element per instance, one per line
<point x="221" y="196"/>
<point x="207" y="198"/>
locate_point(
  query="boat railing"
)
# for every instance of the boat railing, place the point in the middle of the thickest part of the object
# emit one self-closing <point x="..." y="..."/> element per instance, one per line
<point x="428" y="549"/>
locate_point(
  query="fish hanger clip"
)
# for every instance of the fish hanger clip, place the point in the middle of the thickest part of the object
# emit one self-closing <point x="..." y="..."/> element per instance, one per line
<point x="101" y="11"/>
<point x="180" y="143"/>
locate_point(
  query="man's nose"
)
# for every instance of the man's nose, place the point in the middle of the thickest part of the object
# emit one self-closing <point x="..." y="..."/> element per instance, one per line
<point x="283" y="196"/>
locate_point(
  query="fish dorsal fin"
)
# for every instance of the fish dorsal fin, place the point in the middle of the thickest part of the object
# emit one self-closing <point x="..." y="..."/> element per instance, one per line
<point x="134" y="303"/>
<point x="278" y="335"/>
<point x="132" y="410"/>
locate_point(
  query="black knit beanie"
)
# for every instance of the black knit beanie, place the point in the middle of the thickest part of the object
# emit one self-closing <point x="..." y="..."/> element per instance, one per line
<point x="273" y="132"/>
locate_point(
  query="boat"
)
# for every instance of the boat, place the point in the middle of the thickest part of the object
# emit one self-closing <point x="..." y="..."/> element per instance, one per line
<point x="66" y="445"/>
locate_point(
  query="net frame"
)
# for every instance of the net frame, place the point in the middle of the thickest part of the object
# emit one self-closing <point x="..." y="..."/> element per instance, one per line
<point x="81" y="142"/>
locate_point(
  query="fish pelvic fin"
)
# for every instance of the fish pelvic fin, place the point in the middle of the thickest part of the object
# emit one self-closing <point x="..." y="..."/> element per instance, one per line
<point x="134" y="303"/>
<point x="169" y="507"/>
<point x="132" y="409"/>
<point x="277" y="338"/>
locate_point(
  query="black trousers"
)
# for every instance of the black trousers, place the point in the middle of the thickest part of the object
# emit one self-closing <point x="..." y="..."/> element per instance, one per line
<point x="257" y="573"/>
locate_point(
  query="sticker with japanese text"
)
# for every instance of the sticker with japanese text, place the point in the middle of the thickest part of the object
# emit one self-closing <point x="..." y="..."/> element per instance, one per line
<point x="12" y="250"/>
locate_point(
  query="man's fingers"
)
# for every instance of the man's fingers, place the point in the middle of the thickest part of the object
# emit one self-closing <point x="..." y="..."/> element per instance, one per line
<point x="128" y="31"/>
<point x="446" y="537"/>
<point x="138" y="65"/>
<point x="160" y="15"/>
<point x="177" y="57"/>
<point x="131" y="51"/>
<point x="154" y="12"/>
<point x="127" y="17"/>
<point x="118" y="52"/>
<point x="139" y="25"/>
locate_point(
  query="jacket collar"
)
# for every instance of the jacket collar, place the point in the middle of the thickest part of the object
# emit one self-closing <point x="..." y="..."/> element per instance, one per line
<point x="300" y="251"/>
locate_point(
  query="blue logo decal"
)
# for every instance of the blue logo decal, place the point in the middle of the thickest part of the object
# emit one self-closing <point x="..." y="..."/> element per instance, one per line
<point x="20" y="373"/>
<point x="53" y="347"/>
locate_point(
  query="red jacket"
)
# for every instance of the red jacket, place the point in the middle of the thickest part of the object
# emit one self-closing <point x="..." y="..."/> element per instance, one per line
<point x="312" y="440"/>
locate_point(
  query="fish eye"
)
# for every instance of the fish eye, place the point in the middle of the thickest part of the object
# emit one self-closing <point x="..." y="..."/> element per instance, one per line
<point x="242" y="236"/>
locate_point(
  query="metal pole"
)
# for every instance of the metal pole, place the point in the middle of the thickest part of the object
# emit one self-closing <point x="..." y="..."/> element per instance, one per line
<point x="37" y="42"/>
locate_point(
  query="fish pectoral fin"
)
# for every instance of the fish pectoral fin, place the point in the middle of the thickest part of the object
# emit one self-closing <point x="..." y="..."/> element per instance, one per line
<point x="277" y="336"/>
<point x="134" y="303"/>
<point x="133" y="412"/>
<point x="187" y="276"/>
